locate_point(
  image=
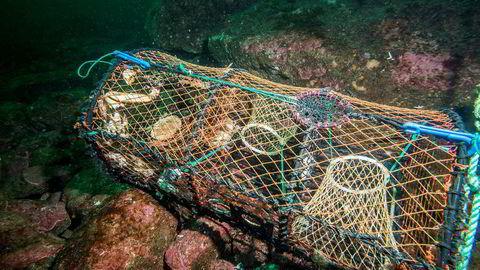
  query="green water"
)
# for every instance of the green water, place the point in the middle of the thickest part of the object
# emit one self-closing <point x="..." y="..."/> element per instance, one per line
<point x="34" y="29"/>
<point x="43" y="42"/>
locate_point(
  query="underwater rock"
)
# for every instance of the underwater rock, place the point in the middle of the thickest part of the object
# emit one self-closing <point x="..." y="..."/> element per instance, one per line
<point x="80" y="204"/>
<point x="38" y="255"/>
<point x="88" y="190"/>
<point x="131" y="231"/>
<point x="249" y="250"/>
<point x="45" y="216"/>
<point x="423" y="71"/>
<point x="221" y="264"/>
<point x="186" y="24"/>
<point x="23" y="245"/>
<point x="297" y="43"/>
<point x="53" y="112"/>
<point x="35" y="180"/>
<point x="292" y="261"/>
<point x="197" y="247"/>
<point x="15" y="230"/>
<point x="54" y="197"/>
<point x="22" y="180"/>
<point x="310" y="44"/>
<point x="282" y="56"/>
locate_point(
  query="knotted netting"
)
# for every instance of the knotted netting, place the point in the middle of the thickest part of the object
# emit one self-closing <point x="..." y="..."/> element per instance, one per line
<point x="322" y="172"/>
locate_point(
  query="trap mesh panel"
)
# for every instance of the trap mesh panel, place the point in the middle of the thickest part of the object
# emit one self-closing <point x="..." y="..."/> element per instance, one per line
<point x="353" y="187"/>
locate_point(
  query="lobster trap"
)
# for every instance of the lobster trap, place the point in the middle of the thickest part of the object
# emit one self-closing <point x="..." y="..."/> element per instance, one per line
<point x="310" y="169"/>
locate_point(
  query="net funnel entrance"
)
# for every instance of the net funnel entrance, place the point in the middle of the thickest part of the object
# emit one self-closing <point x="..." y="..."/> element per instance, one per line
<point x="353" y="196"/>
<point x="312" y="169"/>
<point x="270" y="127"/>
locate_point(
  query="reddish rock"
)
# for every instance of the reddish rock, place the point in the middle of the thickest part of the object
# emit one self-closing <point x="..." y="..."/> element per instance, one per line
<point x="423" y="71"/>
<point x="40" y="253"/>
<point x="278" y="47"/>
<point x="197" y="247"/>
<point x="252" y="252"/>
<point x="15" y="230"/>
<point x="283" y="56"/>
<point x="45" y="216"/>
<point x="248" y="250"/>
<point x="131" y="231"/>
<point x="23" y="245"/>
<point x="221" y="264"/>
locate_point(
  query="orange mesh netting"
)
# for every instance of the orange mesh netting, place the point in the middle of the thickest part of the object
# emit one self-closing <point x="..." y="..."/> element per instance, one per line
<point x="355" y="188"/>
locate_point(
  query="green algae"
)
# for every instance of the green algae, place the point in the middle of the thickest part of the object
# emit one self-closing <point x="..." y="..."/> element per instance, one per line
<point x="93" y="180"/>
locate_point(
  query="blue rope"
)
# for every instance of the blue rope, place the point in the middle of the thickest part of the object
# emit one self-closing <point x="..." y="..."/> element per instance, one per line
<point x="93" y="63"/>
<point x="468" y="237"/>
<point x="472" y="188"/>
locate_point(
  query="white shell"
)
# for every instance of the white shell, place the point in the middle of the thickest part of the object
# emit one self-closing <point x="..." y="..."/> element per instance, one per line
<point x="129" y="76"/>
<point x="130" y="162"/>
<point x="224" y="135"/>
<point x="116" y="99"/>
<point x="117" y="124"/>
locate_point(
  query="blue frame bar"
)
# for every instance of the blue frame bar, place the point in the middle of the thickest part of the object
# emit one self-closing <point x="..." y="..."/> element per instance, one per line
<point x="128" y="57"/>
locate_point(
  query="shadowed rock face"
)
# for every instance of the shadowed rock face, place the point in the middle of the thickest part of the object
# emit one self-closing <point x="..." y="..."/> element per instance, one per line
<point x="212" y="244"/>
<point x="401" y="53"/>
<point x="186" y="24"/>
<point x="199" y="246"/>
<point x="131" y="231"/>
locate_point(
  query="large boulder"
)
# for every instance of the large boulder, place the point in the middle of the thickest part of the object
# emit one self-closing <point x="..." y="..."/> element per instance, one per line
<point x="25" y="244"/>
<point x="199" y="246"/>
<point x="131" y="231"/>
<point x="38" y="255"/>
<point x="89" y="190"/>
<point x="45" y="216"/>
<point x="285" y="56"/>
